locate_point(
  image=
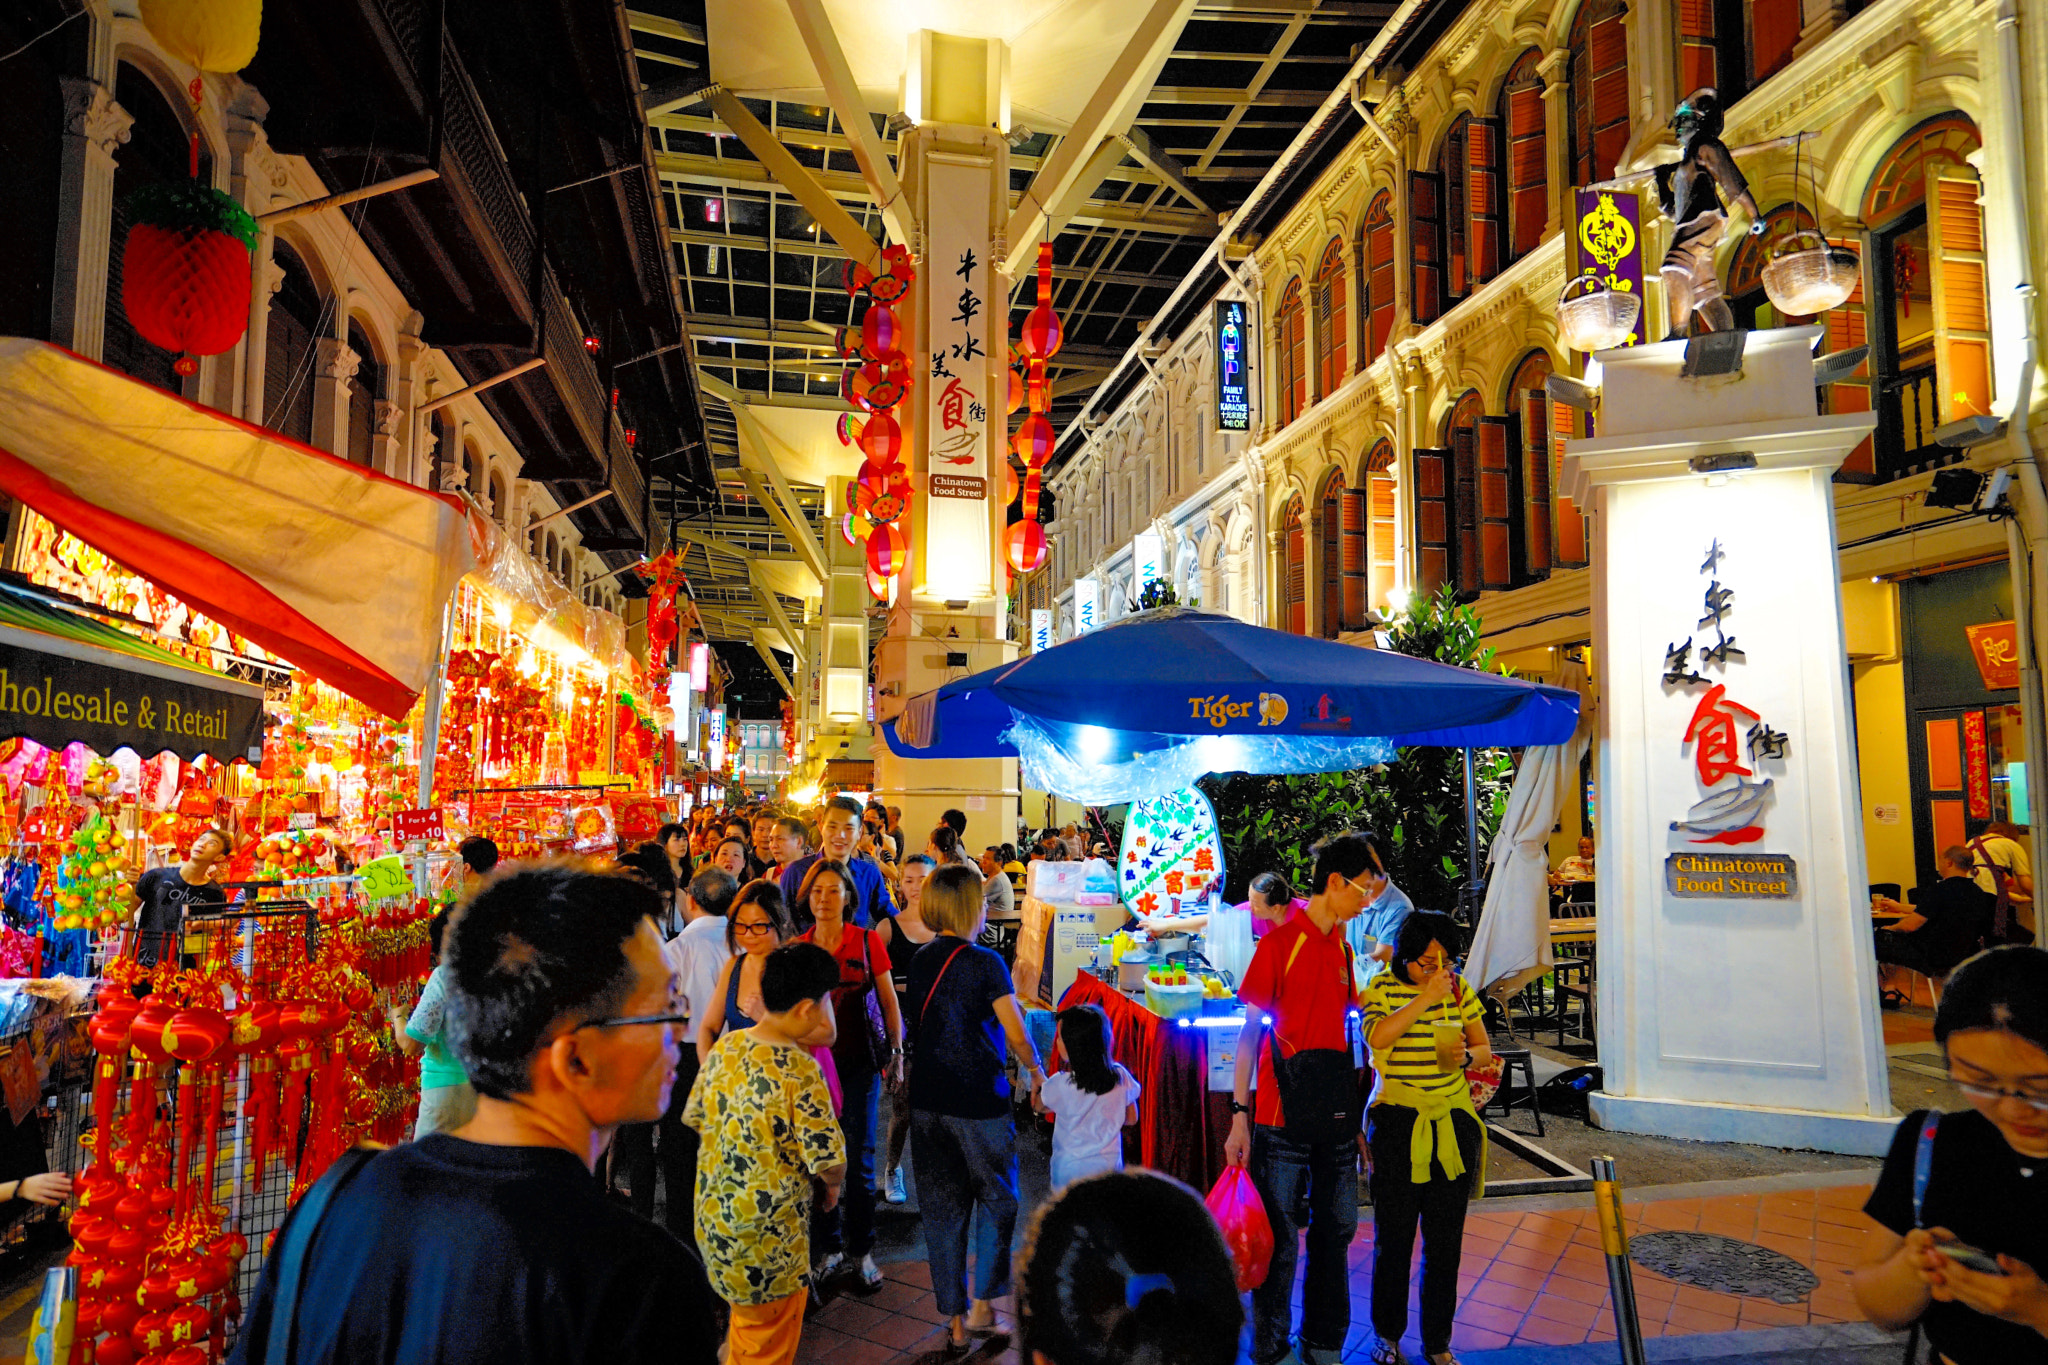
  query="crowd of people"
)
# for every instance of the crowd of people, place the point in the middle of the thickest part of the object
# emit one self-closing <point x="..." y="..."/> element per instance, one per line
<point x="761" y="1010"/>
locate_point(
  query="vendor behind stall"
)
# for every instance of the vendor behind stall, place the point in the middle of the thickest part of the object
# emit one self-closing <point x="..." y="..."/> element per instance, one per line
<point x="1269" y="898"/>
<point x="163" y="894"/>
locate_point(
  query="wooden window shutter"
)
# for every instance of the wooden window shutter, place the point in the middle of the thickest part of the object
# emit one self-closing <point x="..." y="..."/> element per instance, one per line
<point x="1534" y="431"/>
<point x="1426" y="271"/>
<point x="1465" y="508"/>
<point x="1848" y="327"/>
<point x="1962" y="314"/>
<point x="1568" y="545"/>
<point x="1379" y="247"/>
<point x="1456" y="215"/>
<point x="1773" y="34"/>
<point x="1433" y="567"/>
<point x="1696" y="57"/>
<point x="1297" y="578"/>
<point x="1330" y="324"/>
<point x="1528" y="171"/>
<point x="1352" y="533"/>
<point x="1483" y="197"/>
<point x="1297" y="362"/>
<point x="1329" y="538"/>
<point x="1607" y="46"/>
<point x="1381" y="511"/>
<point x="1497" y="529"/>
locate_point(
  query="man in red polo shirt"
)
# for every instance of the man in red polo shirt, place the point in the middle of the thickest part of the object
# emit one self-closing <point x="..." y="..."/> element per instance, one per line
<point x="1303" y="980"/>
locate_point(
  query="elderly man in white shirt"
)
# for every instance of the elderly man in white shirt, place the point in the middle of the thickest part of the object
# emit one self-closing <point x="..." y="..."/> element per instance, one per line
<point x="696" y="956"/>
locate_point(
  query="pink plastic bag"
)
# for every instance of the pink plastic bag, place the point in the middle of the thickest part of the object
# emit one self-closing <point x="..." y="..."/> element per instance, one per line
<point x="1238" y="1210"/>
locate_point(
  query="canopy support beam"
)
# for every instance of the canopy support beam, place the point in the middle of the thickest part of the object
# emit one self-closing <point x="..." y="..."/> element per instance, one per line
<point x="843" y="93"/>
<point x="766" y="650"/>
<point x="436" y="404"/>
<point x="335" y="201"/>
<point x="796" y="177"/>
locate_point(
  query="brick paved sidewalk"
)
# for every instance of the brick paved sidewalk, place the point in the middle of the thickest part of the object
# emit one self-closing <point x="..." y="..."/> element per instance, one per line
<point x="1530" y="1277"/>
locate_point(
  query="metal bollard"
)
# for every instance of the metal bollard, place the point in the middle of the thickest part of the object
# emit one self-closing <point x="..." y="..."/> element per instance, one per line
<point x="51" y="1330"/>
<point x="1628" y="1329"/>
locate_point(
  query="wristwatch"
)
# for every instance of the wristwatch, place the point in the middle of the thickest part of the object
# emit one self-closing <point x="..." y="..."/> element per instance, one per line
<point x="1236" y="1108"/>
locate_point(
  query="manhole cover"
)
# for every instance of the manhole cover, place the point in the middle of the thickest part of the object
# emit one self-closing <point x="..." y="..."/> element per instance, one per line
<point x="1708" y="1261"/>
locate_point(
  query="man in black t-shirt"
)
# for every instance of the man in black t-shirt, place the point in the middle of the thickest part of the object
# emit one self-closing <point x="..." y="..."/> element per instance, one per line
<point x="165" y="895"/>
<point x="1947" y="925"/>
<point x="494" y="1244"/>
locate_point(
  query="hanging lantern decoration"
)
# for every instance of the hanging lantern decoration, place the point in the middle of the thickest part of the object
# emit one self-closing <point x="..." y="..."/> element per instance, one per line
<point x="591" y="343"/>
<point x="632" y="437"/>
<point x="1009" y="482"/>
<point x="879" y="477"/>
<point x="213" y="35"/>
<point x="882" y="333"/>
<point x="881" y="439"/>
<point x="1013" y="397"/>
<point x="1033" y="484"/>
<point x="855" y="278"/>
<point x="888" y="552"/>
<point x="848" y="428"/>
<point x="1024" y="546"/>
<point x="878" y="586"/>
<point x="852" y="529"/>
<point x="1039" y="338"/>
<point x="185" y="269"/>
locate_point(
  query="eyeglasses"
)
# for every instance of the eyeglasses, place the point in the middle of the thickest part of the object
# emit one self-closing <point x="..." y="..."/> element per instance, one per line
<point x="624" y="1020"/>
<point x="1369" y="892"/>
<point x="746" y="929"/>
<point x="1985" y="1094"/>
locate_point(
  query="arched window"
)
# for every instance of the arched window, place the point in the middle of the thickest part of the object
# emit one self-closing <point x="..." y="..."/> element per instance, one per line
<point x="1376" y="283"/>
<point x="501" y="501"/>
<point x="1597" y="78"/>
<point x="1929" y="312"/>
<point x="158" y="152"/>
<point x="1520" y="118"/>
<point x="1290" y="338"/>
<point x="1331" y="367"/>
<point x="444" y="445"/>
<point x="32" y="168"/>
<point x="1294" y="570"/>
<point x="363" y="392"/>
<point x="1536" y="465"/>
<point x="1340" y="536"/>
<point x="1381" y="566"/>
<point x="288" y="349"/>
<point x="1735" y="45"/>
<point x="1449" y="536"/>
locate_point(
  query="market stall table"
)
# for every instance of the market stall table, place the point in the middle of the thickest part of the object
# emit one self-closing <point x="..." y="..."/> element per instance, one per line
<point x="1181" y="1124"/>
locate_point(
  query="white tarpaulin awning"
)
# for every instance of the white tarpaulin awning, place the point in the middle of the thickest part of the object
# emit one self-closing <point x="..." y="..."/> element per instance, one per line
<point x="338" y="569"/>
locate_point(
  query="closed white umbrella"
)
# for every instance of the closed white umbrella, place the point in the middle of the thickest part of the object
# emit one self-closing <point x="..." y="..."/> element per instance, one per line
<point x="1512" y="944"/>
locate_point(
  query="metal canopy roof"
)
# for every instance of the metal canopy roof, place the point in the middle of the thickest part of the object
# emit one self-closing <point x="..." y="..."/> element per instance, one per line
<point x="759" y="282"/>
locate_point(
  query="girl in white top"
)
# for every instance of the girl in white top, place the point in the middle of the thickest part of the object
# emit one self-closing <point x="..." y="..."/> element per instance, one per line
<point x="1093" y="1099"/>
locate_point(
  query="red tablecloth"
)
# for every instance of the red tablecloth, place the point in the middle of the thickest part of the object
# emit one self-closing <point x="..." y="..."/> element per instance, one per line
<point x="1181" y="1126"/>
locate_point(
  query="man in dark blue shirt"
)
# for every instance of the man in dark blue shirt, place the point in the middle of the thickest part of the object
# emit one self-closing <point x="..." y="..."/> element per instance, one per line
<point x="837" y="832"/>
<point x="494" y="1244"/>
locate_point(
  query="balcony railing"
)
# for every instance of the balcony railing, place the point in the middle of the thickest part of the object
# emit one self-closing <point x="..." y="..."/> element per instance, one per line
<point x="1908" y="412"/>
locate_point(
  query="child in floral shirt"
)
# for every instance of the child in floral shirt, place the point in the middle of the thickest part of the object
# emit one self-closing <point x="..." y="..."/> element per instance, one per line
<point x="765" y="1119"/>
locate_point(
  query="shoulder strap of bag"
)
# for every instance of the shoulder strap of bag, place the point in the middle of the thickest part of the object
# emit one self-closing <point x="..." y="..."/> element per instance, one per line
<point x="927" y="1003"/>
<point x="1923" y="1161"/>
<point x="290" y="1252"/>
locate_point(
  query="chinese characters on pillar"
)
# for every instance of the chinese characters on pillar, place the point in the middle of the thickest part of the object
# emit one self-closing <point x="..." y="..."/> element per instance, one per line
<point x="962" y="416"/>
<point x="1728" y="740"/>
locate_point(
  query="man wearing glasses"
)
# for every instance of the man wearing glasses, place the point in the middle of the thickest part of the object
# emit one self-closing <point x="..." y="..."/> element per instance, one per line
<point x="493" y="1243"/>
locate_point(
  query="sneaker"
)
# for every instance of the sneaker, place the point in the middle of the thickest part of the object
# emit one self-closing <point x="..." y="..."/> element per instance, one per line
<point x="870" y="1273"/>
<point x="1386" y="1352"/>
<point x="827" y="1266"/>
<point x="894" y="1191"/>
<point x="981" y="1319"/>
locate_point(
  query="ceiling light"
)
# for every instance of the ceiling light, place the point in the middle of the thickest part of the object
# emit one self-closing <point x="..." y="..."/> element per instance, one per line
<point x="900" y="123"/>
<point x="1018" y="135"/>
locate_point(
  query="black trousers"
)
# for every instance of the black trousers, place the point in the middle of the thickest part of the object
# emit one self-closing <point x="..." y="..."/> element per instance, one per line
<point x="636" y="1157"/>
<point x="1398" y="1206"/>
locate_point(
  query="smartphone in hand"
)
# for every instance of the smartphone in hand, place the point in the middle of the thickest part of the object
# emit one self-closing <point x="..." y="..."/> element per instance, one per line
<point x="1963" y="1254"/>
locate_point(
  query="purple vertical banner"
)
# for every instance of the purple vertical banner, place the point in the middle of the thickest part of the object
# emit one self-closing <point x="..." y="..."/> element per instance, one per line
<point x="1607" y="244"/>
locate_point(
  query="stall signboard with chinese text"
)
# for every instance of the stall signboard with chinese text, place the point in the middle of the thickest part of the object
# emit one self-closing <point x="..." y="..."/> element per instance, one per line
<point x="1233" y="382"/>
<point x="1148" y="560"/>
<point x="1976" y="766"/>
<point x="1041" y="630"/>
<point x="1608" y="244"/>
<point x="1996" y="648"/>
<point x="1087" y="606"/>
<point x="407" y="825"/>
<point x="1172" y="854"/>
<point x="957" y="560"/>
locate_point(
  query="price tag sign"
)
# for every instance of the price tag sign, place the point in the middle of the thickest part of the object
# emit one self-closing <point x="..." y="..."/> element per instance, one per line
<point x="385" y="878"/>
<point x="304" y="819"/>
<point x="417" y="824"/>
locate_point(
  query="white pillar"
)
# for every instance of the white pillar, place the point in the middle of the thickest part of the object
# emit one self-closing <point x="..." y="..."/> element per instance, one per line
<point x="1736" y="983"/>
<point x="94" y="126"/>
<point x="334" y="370"/>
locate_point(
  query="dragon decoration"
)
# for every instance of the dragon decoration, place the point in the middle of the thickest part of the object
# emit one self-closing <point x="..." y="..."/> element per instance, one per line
<point x="666" y="617"/>
<point x="878" y="505"/>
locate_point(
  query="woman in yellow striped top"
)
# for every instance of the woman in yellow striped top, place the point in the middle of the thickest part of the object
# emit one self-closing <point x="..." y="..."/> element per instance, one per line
<point x="1426" y="1142"/>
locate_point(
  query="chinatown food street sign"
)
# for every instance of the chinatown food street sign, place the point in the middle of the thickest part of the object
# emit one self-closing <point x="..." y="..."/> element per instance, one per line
<point x="1732" y="876"/>
<point x="57" y="692"/>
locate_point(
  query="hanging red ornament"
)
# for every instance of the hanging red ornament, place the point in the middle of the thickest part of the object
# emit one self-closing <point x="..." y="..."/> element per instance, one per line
<point x="848" y="428"/>
<point x="1040" y="336"/>
<point x="883" y="335"/>
<point x="888" y="552"/>
<point x="855" y="277"/>
<point x="890" y="383"/>
<point x="1034" y="440"/>
<point x="1033" y="481"/>
<point x="879" y="478"/>
<point x="860" y="387"/>
<point x="185" y="269"/>
<point x="1024" y="546"/>
<point x="880" y="506"/>
<point x="859" y="400"/>
<point x="881" y="439"/>
<point x="1014" y="395"/>
<point x="1009" y="482"/>
<point x="878" y="586"/>
<point x="853" y="529"/>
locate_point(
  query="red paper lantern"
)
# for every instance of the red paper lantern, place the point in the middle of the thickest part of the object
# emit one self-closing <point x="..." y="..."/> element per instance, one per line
<point x="888" y="552"/>
<point x="1034" y="440"/>
<point x="881" y="476"/>
<point x="1009" y="483"/>
<point x="193" y="1035"/>
<point x="151" y="1334"/>
<point x="1024" y="546"/>
<point x="185" y="269"/>
<point x="114" y="1351"/>
<point x="878" y="586"/>
<point x="119" y="1316"/>
<point x="93" y="1233"/>
<point x="189" y="1323"/>
<point x="146" y="1035"/>
<point x="883" y="335"/>
<point x="890" y="384"/>
<point x="881" y="439"/>
<point x="1040" y="336"/>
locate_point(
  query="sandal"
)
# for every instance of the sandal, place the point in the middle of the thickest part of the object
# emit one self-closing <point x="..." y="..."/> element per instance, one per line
<point x="1386" y="1352"/>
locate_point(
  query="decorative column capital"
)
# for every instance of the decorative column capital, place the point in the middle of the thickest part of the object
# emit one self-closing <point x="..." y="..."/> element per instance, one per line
<point x="337" y="359"/>
<point x="388" y="416"/>
<point x="91" y="113"/>
<point x="1554" y="67"/>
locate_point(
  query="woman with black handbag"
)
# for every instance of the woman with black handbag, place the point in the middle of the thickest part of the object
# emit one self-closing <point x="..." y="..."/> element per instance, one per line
<point x="1428" y="1147"/>
<point x="869" y="1049"/>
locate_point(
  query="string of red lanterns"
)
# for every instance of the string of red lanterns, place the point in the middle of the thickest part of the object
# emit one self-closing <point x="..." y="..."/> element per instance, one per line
<point x="1038" y="341"/>
<point x="878" y="504"/>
